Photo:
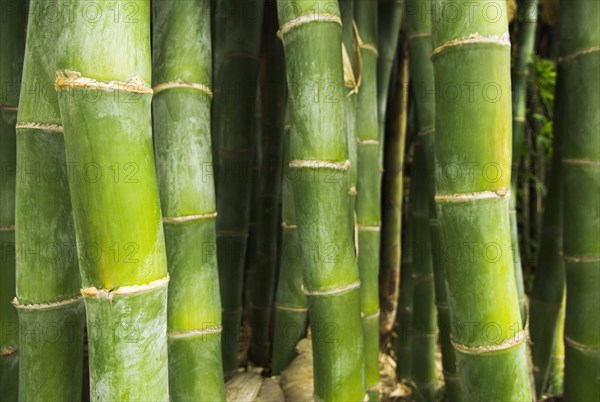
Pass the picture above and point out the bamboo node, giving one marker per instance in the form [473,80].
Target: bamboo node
[419,35]
[474,38]
[49,305]
[56,128]
[8,108]
[182,84]
[581,346]
[7,228]
[518,339]
[369,228]
[287,225]
[367,142]
[371,47]
[93,292]
[214,329]
[7,351]
[578,53]
[315,164]
[188,218]
[370,316]
[480,195]
[426,132]
[305,19]
[291,309]
[66,79]
[580,258]
[333,291]
[580,161]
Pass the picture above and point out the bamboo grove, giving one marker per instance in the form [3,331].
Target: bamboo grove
[300,200]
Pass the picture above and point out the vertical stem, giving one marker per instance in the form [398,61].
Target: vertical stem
[527,22]
[390,18]
[549,282]
[47,277]
[238,27]
[473,137]
[579,64]
[291,308]
[368,200]
[274,102]
[312,39]
[182,79]
[105,102]
[12,31]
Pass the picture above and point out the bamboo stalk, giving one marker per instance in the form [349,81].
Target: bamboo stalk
[424,322]
[393,185]
[579,64]
[390,18]
[274,102]
[311,35]
[50,367]
[291,307]
[472,130]
[182,79]
[237,44]
[549,282]
[404,317]
[12,31]
[419,34]
[368,200]
[527,22]
[115,197]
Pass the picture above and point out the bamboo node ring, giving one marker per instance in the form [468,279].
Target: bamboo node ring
[56,128]
[93,292]
[305,19]
[520,338]
[474,38]
[333,291]
[581,346]
[578,53]
[48,305]
[316,164]
[480,195]
[215,329]
[183,84]
[187,218]
[66,79]
[7,228]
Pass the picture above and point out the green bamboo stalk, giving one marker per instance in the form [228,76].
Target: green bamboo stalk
[393,185]
[182,78]
[424,323]
[419,39]
[368,199]
[579,64]
[527,22]
[115,196]
[471,53]
[291,307]
[274,102]
[312,39]
[12,31]
[390,18]
[557,364]
[351,62]
[51,314]
[549,282]
[404,317]
[238,28]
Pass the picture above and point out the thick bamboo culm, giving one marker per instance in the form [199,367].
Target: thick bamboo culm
[47,285]
[12,49]
[291,306]
[475,131]
[579,63]
[274,102]
[182,98]
[547,294]
[424,320]
[368,199]
[390,18]
[419,44]
[116,206]
[312,38]
[237,35]
[527,14]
